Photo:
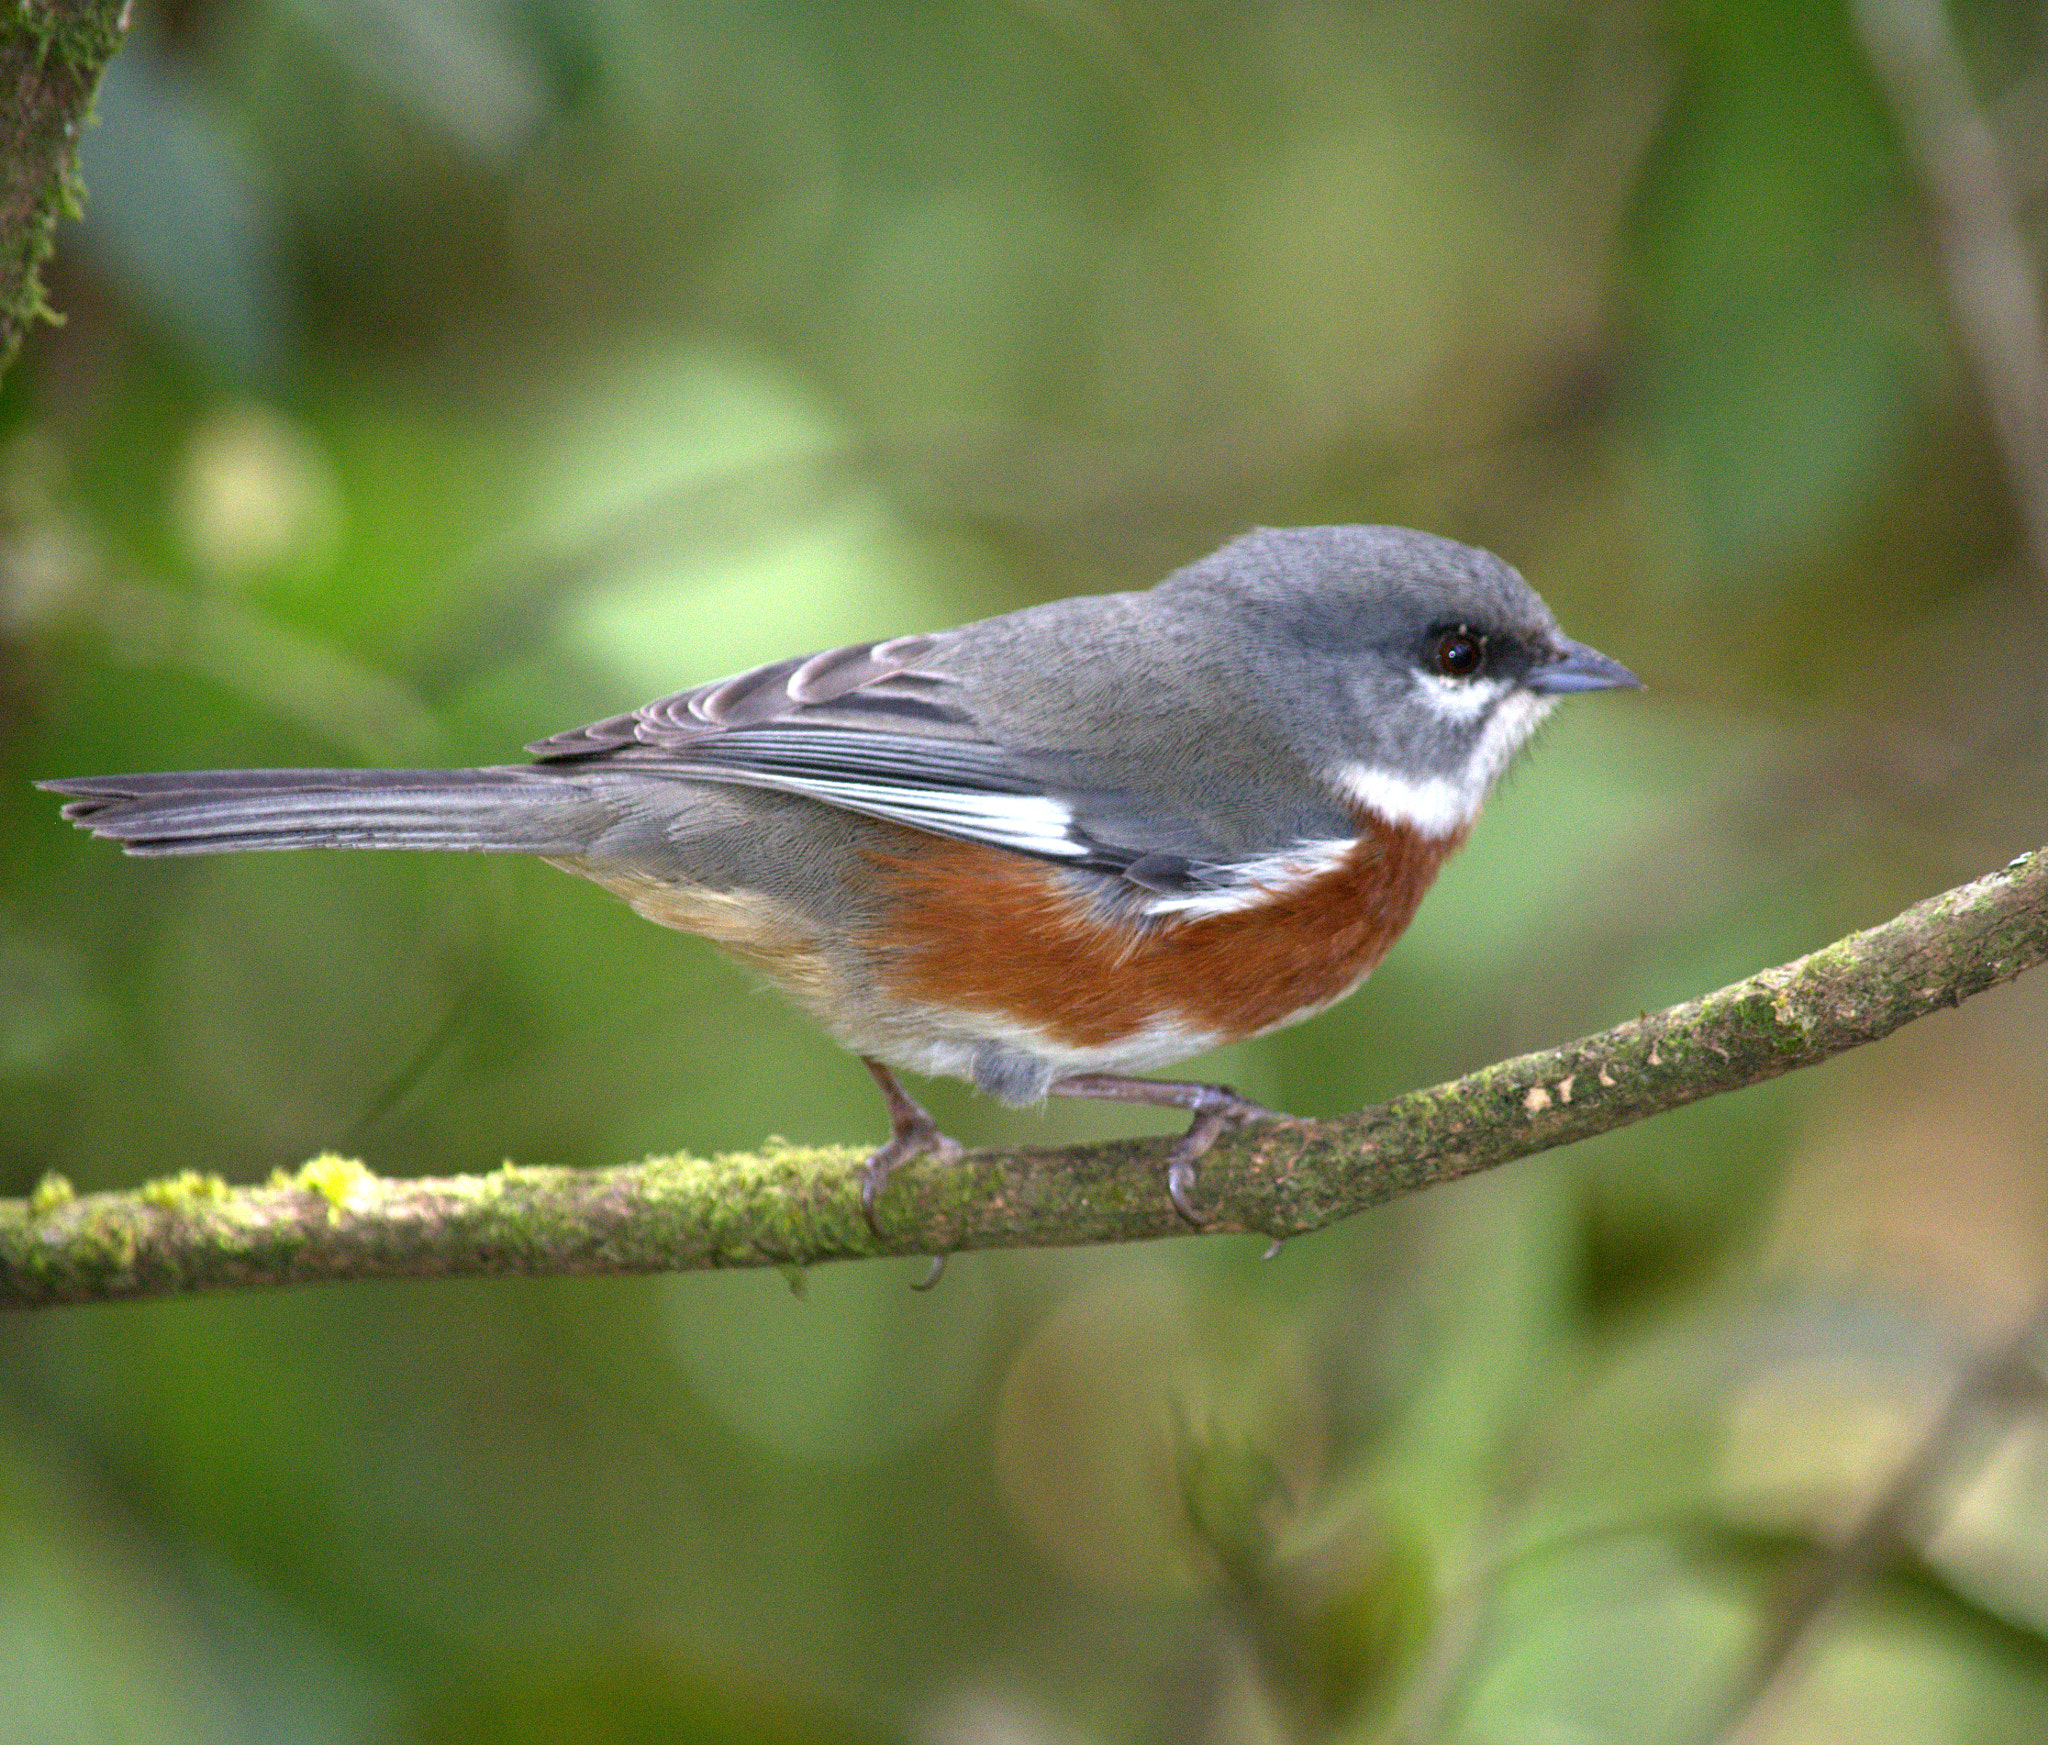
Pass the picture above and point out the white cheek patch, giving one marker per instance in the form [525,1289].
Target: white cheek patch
[1442,805]
[1459,699]
[1518,716]
[1253,882]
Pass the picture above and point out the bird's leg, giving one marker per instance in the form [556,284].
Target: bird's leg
[1217,1110]
[912,1133]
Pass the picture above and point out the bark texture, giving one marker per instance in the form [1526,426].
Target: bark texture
[52,53]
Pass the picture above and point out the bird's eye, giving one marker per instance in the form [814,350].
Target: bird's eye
[1457,653]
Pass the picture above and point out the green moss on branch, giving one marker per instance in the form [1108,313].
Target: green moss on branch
[52,53]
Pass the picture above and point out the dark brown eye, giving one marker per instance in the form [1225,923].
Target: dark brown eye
[1457,654]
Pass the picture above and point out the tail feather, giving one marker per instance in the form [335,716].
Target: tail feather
[514,810]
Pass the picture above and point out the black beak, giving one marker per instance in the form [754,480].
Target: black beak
[1572,666]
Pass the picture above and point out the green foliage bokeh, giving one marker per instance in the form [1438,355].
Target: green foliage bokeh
[437,376]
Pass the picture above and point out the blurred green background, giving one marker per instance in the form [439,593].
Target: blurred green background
[440,373]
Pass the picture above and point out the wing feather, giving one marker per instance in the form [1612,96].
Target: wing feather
[884,729]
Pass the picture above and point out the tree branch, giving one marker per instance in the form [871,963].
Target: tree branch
[1994,288]
[52,53]
[787,1206]
[1904,1508]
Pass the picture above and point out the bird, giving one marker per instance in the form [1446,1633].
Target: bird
[1047,852]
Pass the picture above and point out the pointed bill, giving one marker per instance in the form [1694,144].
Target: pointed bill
[1572,666]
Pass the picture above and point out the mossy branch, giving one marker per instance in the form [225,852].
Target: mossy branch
[52,53]
[786,1206]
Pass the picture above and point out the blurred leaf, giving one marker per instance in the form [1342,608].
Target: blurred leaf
[1093,1437]
[181,221]
[682,430]
[1334,1621]
[463,66]
[99,1640]
[639,1698]
[1366,1637]
[1784,417]
[1616,1643]
[1789,358]
[314,686]
[1989,1539]
[1230,1491]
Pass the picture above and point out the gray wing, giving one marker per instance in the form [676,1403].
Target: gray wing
[886,730]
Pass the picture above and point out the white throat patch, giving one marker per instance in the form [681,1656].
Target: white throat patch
[1441,806]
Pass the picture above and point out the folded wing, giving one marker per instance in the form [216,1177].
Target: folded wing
[887,730]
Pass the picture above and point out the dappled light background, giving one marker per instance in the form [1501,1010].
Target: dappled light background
[438,375]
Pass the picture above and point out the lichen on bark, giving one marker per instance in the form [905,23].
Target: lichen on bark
[52,53]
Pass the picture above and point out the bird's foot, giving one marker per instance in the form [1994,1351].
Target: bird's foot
[912,1133]
[1217,1110]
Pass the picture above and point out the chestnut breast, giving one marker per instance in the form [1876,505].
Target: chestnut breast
[978,929]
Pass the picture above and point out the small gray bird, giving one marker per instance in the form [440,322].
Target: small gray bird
[1041,852]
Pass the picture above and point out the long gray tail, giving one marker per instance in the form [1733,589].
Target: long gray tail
[514,810]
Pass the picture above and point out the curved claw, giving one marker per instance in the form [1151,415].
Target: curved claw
[1219,1111]
[874,1177]
[912,1133]
[1180,1176]
[1216,1110]
[916,1141]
